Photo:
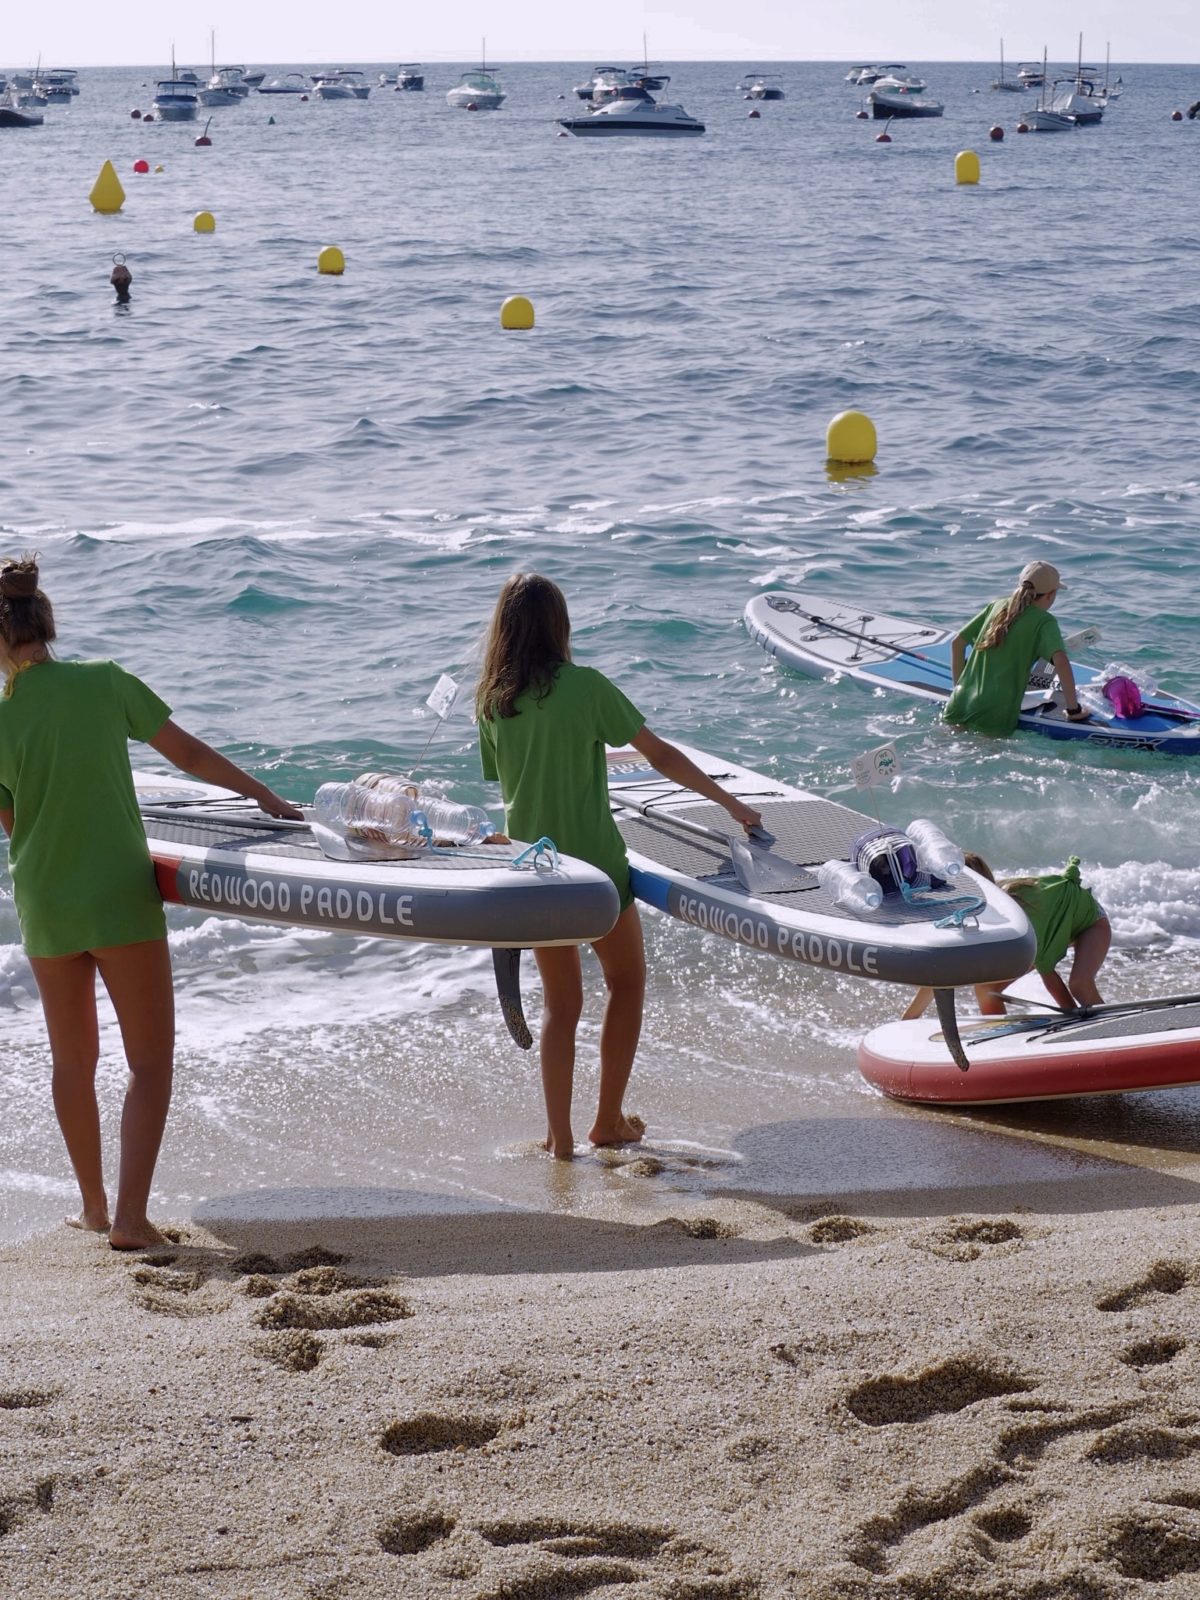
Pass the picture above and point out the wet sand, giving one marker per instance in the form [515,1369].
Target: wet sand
[981,1392]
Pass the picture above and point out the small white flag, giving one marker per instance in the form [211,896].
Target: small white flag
[875,766]
[441,701]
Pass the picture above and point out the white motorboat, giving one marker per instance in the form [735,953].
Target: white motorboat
[58,86]
[410,76]
[1079,100]
[1031,75]
[478,91]
[901,97]
[632,112]
[855,75]
[175,100]
[347,83]
[1043,118]
[762,86]
[226,87]
[291,83]
[254,77]
[604,78]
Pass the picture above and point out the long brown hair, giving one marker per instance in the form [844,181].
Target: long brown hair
[1020,600]
[26,615]
[529,639]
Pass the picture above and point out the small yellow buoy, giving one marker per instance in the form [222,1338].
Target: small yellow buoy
[331,261]
[107,195]
[516,312]
[850,437]
[204,222]
[966,167]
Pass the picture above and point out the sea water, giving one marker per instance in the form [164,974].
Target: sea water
[288,502]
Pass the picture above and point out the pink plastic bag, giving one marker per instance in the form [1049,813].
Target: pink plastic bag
[1124,696]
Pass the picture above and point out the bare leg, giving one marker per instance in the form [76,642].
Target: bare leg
[1091,947]
[67,985]
[138,980]
[917,1006]
[562,984]
[623,961]
[989,997]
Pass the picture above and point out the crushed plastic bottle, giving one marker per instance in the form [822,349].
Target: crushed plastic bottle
[936,855]
[852,890]
[453,823]
[372,809]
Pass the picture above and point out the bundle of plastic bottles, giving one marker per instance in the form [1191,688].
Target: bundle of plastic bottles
[384,813]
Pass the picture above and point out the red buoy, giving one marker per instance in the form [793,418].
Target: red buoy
[141,166]
[996,133]
[303,98]
[202,140]
[755,113]
[471,106]
[1022,127]
[148,118]
[1177,116]
[883,138]
[135,114]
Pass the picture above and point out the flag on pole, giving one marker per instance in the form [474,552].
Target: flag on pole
[875,766]
[441,701]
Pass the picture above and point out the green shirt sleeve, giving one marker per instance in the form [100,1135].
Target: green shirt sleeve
[975,627]
[1049,638]
[144,712]
[617,718]
[487,749]
[6,799]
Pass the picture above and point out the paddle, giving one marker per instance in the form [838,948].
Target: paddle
[757,869]
[175,813]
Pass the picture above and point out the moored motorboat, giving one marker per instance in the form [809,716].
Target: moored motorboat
[601,77]
[175,100]
[1079,100]
[410,76]
[346,83]
[635,112]
[290,83]
[15,115]
[478,90]
[226,87]
[898,97]
[1031,75]
[762,86]
[254,77]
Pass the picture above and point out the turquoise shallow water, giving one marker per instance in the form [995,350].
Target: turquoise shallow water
[288,501]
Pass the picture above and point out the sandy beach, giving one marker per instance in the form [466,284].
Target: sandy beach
[902,1396]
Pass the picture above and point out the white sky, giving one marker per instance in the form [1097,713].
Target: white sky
[75,33]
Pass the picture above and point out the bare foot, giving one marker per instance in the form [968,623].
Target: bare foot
[135,1236]
[89,1221]
[560,1149]
[626,1130]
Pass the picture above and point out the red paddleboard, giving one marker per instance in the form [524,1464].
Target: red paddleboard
[1149,1044]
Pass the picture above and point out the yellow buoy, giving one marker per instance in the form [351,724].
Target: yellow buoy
[204,222]
[331,261]
[516,312]
[850,437]
[107,195]
[966,167]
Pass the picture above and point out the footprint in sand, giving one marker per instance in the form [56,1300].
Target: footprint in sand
[1152,1546]
[293,1349]
[966,1238]
[26,1399]
[940,1390]
[1152,1352]
[562,1557]
[1143,1442]
[328,1309]
[700,1227]
[169,1291]
[840,1230]
[411,1532]
[428,1433]
[13,1509]
[1163,1278]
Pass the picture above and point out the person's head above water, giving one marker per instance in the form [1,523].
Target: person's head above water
[26,615]
[120,278]
[1038,585]
[529,639]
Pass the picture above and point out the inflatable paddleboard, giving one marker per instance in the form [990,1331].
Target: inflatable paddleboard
[831,638]
[693,877]
[216,852]
[1110,1050]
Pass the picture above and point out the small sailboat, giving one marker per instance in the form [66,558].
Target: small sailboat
[1008,85]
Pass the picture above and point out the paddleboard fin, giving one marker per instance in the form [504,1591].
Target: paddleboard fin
[948,1017]
[507,966]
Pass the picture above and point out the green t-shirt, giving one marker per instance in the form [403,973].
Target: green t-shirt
[988,696]
[82,875]
[550,761]
[1060,908]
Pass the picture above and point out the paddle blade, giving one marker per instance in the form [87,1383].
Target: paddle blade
[763,872]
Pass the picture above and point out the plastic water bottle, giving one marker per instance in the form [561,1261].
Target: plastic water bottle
[936,854]
[452,823]
[374,808]
[852,890]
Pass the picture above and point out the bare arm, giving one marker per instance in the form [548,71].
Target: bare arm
[673,764]
[958,657]
[200,760]
[1062,665]
[1058,991]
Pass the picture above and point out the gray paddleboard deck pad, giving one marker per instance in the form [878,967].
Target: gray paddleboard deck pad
[229,864]
[693,879]
[827,638]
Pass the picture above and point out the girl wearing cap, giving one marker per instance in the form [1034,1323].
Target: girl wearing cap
[543,726]
[1006,638]
[84,885]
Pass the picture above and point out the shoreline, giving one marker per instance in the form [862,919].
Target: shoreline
[755,1396]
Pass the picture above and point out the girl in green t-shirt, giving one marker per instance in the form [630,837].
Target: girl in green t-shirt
[84,887]
[1006,638]
[543,726]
